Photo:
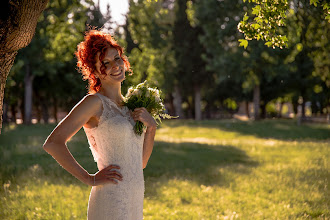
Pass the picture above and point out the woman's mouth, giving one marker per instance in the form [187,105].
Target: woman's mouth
[116,73]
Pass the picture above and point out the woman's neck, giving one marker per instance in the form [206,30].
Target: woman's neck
[113,92]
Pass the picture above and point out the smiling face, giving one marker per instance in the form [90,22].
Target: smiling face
[112,67]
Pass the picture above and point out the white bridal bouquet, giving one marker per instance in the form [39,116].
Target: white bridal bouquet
[149,98]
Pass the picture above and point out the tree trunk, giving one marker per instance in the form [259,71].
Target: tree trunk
[13,113]
[263,110]
[198,111]
[16,31]
[256,101]
[5,112]
[178,102]
[247,109]
[170,105]
[279,114]
[295,108]
[22,110]
[55,110]
[303,110]
[45,113]
[37,104]
[28,85]
[6,62]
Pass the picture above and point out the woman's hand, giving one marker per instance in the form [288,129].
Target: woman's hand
[109,174]
[142,115]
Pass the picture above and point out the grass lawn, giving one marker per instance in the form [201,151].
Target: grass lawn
[226,169]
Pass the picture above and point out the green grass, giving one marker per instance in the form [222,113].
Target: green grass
[227,169]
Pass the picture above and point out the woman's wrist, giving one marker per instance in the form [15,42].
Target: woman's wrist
[152,127]
[90,180]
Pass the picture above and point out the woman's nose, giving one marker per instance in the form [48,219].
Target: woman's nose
[114,64]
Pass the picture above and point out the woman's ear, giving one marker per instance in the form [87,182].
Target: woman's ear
[97,64]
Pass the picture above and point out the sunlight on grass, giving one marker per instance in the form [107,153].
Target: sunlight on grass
[198,170]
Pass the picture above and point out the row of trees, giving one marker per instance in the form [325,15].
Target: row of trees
[188,48]
[192,47]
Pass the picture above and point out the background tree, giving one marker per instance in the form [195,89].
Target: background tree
[150,28]
[60,28]
[17,27]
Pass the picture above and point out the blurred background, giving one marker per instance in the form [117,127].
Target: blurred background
[188,49]
[241,148]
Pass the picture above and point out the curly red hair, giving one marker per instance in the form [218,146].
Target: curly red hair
[96,41]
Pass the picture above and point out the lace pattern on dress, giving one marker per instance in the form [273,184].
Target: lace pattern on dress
[113,141]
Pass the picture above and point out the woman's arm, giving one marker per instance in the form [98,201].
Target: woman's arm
[148,145]
[141,114]
[55,144]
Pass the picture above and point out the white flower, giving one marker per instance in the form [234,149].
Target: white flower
[157,98]
[136,92]
[148,93]
[130,92]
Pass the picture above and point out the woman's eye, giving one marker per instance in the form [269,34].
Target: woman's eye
[105,63]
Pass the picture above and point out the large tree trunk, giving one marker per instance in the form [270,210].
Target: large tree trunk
[178,102]
[198,111]
[256,101]
[17,28]
[28,88]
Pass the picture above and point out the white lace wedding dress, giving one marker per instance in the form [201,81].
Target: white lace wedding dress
[113,141]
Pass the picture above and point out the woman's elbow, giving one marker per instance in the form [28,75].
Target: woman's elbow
[49,144]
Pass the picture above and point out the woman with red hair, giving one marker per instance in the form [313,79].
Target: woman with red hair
[121,155]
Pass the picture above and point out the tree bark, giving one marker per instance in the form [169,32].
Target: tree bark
[256,101]
[17,28]
[198,111]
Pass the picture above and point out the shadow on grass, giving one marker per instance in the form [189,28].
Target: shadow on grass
[282,129]
[203,164]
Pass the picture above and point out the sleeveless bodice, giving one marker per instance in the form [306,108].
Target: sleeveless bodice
[113,141]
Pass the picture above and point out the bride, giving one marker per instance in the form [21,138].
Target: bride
[121,155]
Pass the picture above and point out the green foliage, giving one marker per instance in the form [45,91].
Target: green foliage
[149,27]
[270,16]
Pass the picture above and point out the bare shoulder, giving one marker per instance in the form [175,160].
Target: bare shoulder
[94,102]
[91,100]
[88,107]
